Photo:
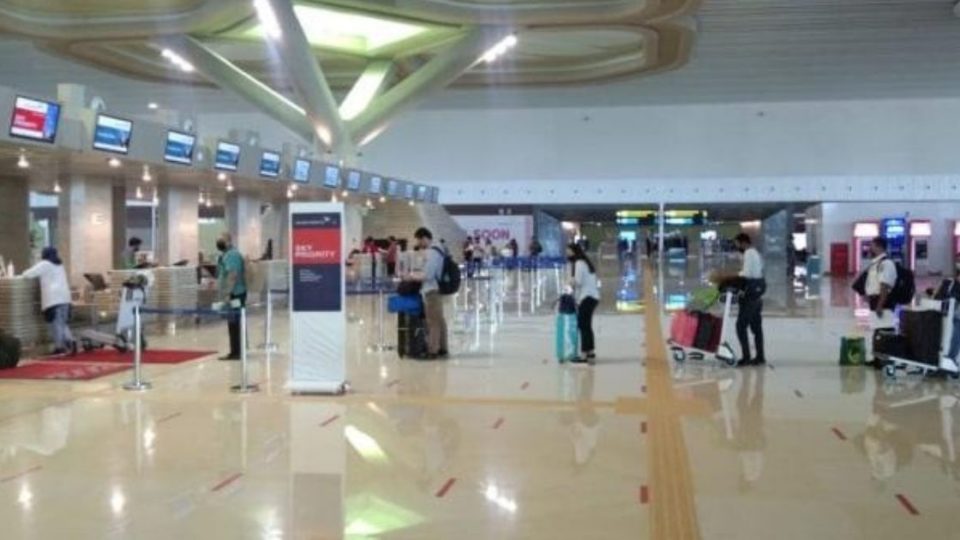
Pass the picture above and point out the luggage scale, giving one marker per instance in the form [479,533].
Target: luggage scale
[894,363]
[724,353]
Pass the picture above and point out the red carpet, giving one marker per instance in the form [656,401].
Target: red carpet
[112,356]
[65,371]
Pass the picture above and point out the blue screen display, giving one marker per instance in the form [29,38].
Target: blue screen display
[228,156]
[422,193]
[353,180]
[392,187]
[408,191]
[179,148]
[270,164]
[301,171]
[112,134]
[376,184]
[331,177]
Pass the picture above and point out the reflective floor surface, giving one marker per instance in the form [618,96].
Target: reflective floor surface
[498,442]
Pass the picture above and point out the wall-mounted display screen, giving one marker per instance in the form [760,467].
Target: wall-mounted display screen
[301,171]
[270,164]
[34,119]
[408,191]
[376,184]
[435,195]
[421,193]
[179,147]
[353,180]
[392,187]
[228,156]
[331,177]
[112,134]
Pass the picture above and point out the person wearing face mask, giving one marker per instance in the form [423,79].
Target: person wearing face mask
[232,281]
[750,314]
[54,299]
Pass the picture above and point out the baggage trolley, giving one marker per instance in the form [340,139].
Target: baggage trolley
[133,294]
[724,353]
[910,366]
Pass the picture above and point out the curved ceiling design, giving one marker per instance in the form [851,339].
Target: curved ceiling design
[561,41]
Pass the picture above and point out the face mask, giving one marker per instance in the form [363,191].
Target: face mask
[221,245]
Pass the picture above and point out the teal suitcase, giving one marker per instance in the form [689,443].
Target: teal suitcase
[568,337]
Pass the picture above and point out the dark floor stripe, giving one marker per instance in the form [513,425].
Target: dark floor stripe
[446,488]
[226,482]
[644,494]
[498,423]
[798,393]
[643,427]
[330,420]
[12,477]
[905,502]
[524,386]
[169,417]
[839,434]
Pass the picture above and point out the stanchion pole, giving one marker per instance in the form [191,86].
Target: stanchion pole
[244,387]
[137,384]
[268,344]
[381,340]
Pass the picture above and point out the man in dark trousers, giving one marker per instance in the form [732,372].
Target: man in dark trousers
[232,276]
[750,314]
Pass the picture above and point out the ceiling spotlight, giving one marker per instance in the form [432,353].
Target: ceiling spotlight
[230,187]
[177,61]
[222,177]
[289,193]
[345,194]
[114,162]
[200,198]
[294,187]
[153,106]
[139,194]
[333,198]
[156,198]
[209,203]
[411,203]
[147,177]
[57,188]
[22,163]
[383,199]
[500,49]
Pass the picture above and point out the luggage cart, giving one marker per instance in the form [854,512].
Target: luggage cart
[133,294]
[724,353]
[894,364]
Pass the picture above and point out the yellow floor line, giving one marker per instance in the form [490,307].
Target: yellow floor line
[673,512]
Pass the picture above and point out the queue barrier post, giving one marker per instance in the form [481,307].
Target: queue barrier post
[245,387]
[137,384]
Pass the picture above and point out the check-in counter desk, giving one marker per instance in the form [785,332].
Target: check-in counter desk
[20,314]
[261,276]
[173,287]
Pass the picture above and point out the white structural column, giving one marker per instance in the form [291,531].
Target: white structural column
[439,72]
[244,224]
[178,224]
[308,79]
[15,221]
[229,77]
[276,227]
[118,202]
[85,223]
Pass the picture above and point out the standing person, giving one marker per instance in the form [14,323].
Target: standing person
[535,248]
[130,253]
[514,249]
[54,299]
[392,251]
[951,289]
[750,314]
[370,248]
[881,278]
[468,256]
[587,292]
[478,255]
[432,301]
[232,276]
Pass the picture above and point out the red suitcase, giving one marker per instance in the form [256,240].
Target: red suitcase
[683,328]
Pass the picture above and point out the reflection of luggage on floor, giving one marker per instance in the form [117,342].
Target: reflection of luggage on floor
[708,332]
[411,336]
[9,351]
[886,342]
[923,332]
[568,337]
[853,351]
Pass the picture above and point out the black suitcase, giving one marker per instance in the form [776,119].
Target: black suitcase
[9,351]
[923,331]
[886,342]
[707,327]
[411,336]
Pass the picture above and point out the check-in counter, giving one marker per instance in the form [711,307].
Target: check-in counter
[173,287]
[20,313]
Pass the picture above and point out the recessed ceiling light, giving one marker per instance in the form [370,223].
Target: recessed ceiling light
[153,106]
[114,162]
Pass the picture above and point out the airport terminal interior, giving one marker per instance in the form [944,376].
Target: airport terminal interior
[221,317]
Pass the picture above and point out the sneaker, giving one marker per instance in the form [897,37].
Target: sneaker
[746,362]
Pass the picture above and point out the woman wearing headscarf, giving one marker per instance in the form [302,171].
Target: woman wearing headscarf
[54,298]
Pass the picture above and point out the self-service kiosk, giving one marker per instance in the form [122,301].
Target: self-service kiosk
[863,233]
[895,231]
[920,233]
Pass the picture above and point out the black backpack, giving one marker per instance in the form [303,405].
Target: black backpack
[449,282]
[903,290]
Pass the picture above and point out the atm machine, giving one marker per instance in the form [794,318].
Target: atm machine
[920,233]
[956,245]
[895,231]
[863,234]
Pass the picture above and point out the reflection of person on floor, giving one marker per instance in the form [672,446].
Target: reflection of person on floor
[905,418]
[583,422]
[750,438]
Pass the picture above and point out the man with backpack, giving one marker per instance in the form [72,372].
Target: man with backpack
[440,277]
[879,288]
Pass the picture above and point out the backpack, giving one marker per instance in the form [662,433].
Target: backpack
[905,288]
[449,281]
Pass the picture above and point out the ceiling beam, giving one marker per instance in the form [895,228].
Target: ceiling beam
[368,86]
[231,78]
[439,72]
[311,85]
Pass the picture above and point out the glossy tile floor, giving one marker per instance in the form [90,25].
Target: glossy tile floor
[499,442]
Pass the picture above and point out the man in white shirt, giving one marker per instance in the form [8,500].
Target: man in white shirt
[881,278]
[432,300]
[750,314]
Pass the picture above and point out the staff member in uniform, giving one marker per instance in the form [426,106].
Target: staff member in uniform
[750,314]
[232,277]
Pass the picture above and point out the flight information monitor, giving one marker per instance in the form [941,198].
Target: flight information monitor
[408,191]
[270,164]
[376,184]
[34,119]
[301,171]
[112,134]
[179,147]
[422,193]
[331,177]
[392,187]
[353,180]
[228,156]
